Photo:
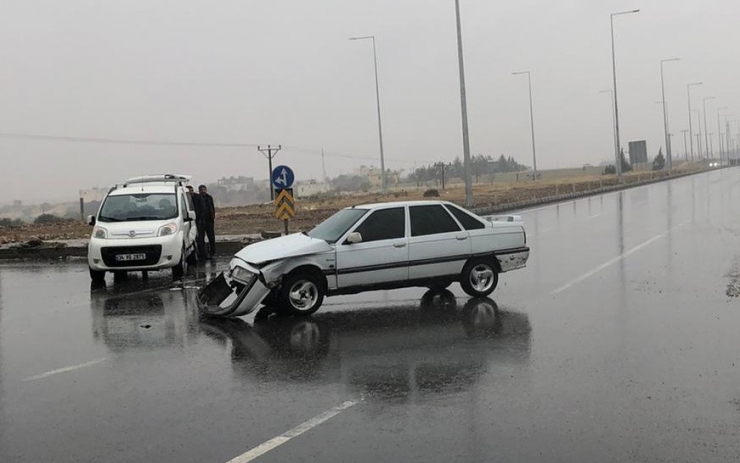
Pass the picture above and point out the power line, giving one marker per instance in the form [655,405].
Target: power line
[121,141]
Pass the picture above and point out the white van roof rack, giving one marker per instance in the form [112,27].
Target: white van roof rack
[160,178]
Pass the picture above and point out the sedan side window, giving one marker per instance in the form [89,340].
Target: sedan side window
[431,220]
[385,224]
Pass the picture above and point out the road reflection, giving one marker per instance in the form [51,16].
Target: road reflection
[394,354]
[137,315]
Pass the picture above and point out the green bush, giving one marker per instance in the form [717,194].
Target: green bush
[45,219]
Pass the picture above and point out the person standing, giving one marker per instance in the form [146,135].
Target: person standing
[209,220]
[200,224]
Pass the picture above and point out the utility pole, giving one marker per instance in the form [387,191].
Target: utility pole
[464,111]
[323,165]
[271,152]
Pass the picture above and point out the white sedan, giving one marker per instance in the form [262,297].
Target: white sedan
[370,247]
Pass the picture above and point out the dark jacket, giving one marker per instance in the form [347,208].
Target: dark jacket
[209,209]
[199,206]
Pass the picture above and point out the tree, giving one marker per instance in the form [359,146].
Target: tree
[659,161]
[626,167]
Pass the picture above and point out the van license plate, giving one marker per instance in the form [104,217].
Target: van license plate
[130,257]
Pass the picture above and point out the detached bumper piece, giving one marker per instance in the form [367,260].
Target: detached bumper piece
[226,297]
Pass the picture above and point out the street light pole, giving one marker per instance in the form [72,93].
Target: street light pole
[383,181]
[614,130]
[685,149]
[531,120]
[691,129]
[464,111]
[616,106]
[719,134]
[706,135]
[665,118]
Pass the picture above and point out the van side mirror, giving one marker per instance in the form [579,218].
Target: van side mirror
[354,238]
[188,217]
[91,220]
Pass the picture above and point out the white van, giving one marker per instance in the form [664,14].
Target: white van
[146,224]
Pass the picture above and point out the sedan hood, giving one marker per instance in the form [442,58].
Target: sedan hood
[293,245]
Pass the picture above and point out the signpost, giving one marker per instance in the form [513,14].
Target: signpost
[282,182]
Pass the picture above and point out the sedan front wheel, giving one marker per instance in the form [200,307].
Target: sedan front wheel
[301,294]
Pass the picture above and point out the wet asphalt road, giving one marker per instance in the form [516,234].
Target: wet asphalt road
[617,343]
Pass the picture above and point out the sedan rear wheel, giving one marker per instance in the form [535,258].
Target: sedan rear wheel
[479,277]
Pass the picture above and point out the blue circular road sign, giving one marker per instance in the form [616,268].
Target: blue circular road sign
[282,177]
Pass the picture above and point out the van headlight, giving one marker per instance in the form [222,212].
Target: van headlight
[167,230]
[99,233]
[241,275]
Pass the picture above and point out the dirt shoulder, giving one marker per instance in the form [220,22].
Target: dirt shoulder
[255,219]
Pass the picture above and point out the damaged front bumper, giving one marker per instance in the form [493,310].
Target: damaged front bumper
[234,293]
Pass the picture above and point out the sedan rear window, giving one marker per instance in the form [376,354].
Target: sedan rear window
[468,221]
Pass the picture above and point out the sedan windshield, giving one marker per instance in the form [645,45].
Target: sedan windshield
[331,229]
[135,207]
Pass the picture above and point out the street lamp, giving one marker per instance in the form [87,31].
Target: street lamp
[685,149]
[719,133]
[616,106]
[384,183]
[531,120]
[614,130]
[464,111]
[706,135]
[691,128]
[665,118]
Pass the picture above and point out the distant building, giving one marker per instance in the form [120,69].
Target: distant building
[237,183]
[310,188]
[371,173]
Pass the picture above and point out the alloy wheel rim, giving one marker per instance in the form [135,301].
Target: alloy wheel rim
[303,295]
[481,278]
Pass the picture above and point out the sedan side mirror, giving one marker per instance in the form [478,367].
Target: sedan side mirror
[354,238]
[91,220]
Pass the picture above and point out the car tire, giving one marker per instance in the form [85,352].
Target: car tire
[178,271]
[479,277]
[301,294]
[98,276]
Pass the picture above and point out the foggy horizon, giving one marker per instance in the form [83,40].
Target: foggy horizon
[284,72]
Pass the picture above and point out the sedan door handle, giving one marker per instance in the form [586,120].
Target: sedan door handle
[461,237]
[399,245]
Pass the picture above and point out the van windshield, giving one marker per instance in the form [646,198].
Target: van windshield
[135,207]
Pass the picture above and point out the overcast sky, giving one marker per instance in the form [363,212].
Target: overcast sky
[284,72]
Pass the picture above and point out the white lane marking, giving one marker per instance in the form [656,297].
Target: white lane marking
[65,369]
[613,261]
[295,432]
[595,215]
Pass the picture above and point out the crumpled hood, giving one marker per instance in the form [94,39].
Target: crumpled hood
[293,245]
